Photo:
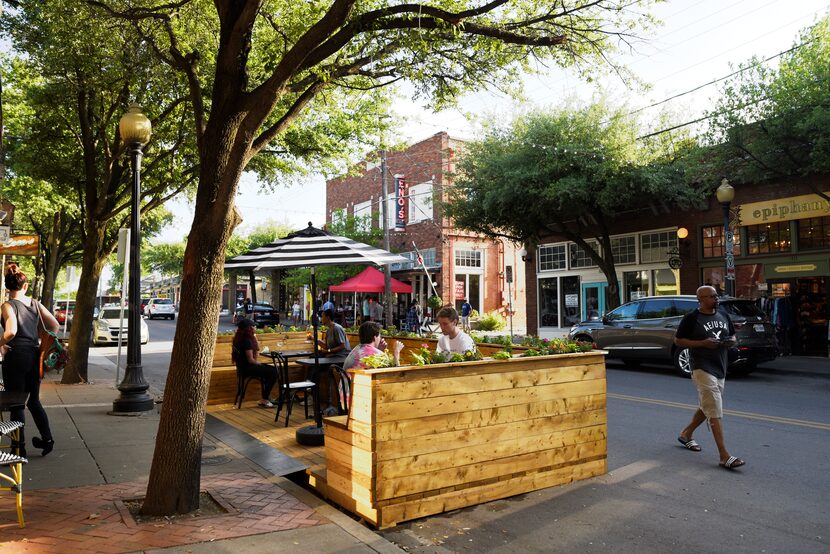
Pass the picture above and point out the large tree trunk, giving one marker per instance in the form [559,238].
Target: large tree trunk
[173,486]
[95,257]
[51,266]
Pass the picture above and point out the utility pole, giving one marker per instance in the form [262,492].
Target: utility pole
[387,276]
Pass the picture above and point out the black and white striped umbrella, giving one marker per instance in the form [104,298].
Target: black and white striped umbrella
[312,247]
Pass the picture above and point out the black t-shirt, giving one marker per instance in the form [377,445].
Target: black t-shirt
[699,326]
[245,344]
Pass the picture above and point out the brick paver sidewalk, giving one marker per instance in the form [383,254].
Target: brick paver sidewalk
[90,520]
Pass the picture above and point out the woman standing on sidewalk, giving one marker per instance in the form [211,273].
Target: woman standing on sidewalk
[19,347]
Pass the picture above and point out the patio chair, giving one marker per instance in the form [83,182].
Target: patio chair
[15,463]
[242,380]
[288,389]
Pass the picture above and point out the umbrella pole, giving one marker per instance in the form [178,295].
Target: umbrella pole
[313,434]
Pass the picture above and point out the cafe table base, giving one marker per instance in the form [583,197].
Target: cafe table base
[310,436]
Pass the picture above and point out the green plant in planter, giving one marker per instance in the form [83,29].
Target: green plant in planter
[435,302]
[502,355]
[492,321]
[426,356]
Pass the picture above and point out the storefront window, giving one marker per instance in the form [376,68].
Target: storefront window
[635,285]
[665,282]
[570,301]
[467,257]
[814,233]
[624,250]
[552,257]
[749,280]
[580,257]
[655,247]
[548,302]
[769,237]
[713,242]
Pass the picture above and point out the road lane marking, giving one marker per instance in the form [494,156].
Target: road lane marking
[737,413]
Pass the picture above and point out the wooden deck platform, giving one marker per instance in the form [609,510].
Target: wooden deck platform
[259,423]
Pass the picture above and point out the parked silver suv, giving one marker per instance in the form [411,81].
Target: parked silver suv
[643,330]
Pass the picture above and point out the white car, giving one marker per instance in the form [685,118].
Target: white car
[105,328]
[160,307]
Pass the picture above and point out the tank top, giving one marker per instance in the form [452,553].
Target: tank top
[27,320]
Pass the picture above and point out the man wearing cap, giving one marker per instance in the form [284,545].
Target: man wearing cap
[336,344]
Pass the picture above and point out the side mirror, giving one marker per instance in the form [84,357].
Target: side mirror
[606,320]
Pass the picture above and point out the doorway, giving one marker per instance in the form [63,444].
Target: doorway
[593,300]
[808,302]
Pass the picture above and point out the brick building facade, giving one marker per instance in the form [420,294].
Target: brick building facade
[460,263]
[782,249]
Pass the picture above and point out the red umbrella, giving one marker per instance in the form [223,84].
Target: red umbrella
[369,280]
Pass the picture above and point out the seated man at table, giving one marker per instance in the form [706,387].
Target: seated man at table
[336,344]
[452,338]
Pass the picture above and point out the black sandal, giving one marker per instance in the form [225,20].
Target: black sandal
[690,444]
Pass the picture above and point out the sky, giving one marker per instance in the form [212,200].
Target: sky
[699,41]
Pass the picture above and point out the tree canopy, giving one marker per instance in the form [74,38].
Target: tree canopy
[773,122]
[286,83]
[566,173]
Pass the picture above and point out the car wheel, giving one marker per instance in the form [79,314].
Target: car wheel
[584,338]
[683,362]
[172,317]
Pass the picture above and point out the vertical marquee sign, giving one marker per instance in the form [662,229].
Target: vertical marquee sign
[401,204]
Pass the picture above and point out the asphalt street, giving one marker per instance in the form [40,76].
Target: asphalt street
[657,496]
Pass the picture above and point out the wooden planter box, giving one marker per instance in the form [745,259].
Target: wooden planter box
[421,440]
[412,344]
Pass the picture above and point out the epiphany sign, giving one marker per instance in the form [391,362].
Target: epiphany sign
[400,203]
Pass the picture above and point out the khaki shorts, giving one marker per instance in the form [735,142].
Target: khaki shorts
[709,393]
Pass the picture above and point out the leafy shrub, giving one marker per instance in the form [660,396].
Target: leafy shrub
[544,347]
[492,321]
[435,302]
[427,356]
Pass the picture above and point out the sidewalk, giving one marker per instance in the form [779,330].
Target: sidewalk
[73,497]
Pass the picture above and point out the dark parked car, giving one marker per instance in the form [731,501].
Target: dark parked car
[264,314]
[643,330]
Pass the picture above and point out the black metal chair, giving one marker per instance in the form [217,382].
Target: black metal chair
[343,383]
[289,389]
[242,380]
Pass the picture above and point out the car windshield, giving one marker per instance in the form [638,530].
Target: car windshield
[263,306]
[112,313]
[745,308]
[162,301]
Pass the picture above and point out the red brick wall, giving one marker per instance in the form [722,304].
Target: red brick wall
[431,159]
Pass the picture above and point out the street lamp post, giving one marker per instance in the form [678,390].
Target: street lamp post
[135,130]
[725,194]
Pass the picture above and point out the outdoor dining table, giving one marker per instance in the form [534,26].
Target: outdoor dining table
[313,436]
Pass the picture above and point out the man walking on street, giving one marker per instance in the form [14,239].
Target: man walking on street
[708,334]
[466,310]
